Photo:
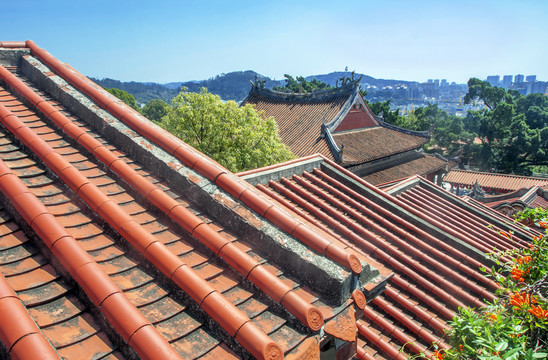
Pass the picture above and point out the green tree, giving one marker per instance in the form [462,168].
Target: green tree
[390,116]
[236,136]
[513,129]
[155,110]
[125,97]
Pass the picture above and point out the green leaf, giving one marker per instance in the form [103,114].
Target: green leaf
[501,346]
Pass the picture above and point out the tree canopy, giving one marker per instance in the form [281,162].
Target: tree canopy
[513,129]
[125,97]
[236,136]
[155,110]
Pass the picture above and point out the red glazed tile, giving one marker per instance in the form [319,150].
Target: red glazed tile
[209,237]
[227,315]
[20,324]
[237,259]
[258,343]
[255,201]
[261,277]
[70,253]
[111,212]
[122,315]
[281,219]
[207,168]
[97,285]
[149,344]
[191,283]
[33,346]
[231,185]
[184,217]
[159,255]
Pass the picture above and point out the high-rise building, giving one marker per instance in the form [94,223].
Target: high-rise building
[507,80]
[493,80]
[518,79]
[443,82]
[531,78]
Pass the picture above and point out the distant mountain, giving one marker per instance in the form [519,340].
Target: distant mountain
[235,85]
[143,92]
[333,77]
[231,86]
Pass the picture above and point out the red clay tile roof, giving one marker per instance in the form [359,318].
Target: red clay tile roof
[492,181]
[300,118]
[423,165]
[94,220]
[299,121]
[433,245]
[364,145]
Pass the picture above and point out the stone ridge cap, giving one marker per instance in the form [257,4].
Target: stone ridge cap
[330,263]
[200,163]
[322,95]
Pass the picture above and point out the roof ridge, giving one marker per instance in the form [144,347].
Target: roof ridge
[248,267]
[499,174]
[13,44]
[198,162]
[100,288]
[347,89]
[230,318]
[426,133]
[18,332]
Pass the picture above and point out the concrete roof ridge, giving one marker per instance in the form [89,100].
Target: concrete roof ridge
[200,163]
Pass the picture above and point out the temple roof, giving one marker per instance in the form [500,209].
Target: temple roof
[336,123]
[119,240]
[432,241]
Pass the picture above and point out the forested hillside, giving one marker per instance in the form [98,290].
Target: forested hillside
[232,86]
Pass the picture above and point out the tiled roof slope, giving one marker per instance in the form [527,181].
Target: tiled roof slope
[327,123]
[364,145]
[435,265]
[422,164]
[491,181]
[299,122]
[102,240]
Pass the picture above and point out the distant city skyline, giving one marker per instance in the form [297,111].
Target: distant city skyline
[170,41]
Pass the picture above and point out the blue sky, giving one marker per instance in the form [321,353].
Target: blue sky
[166,41]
